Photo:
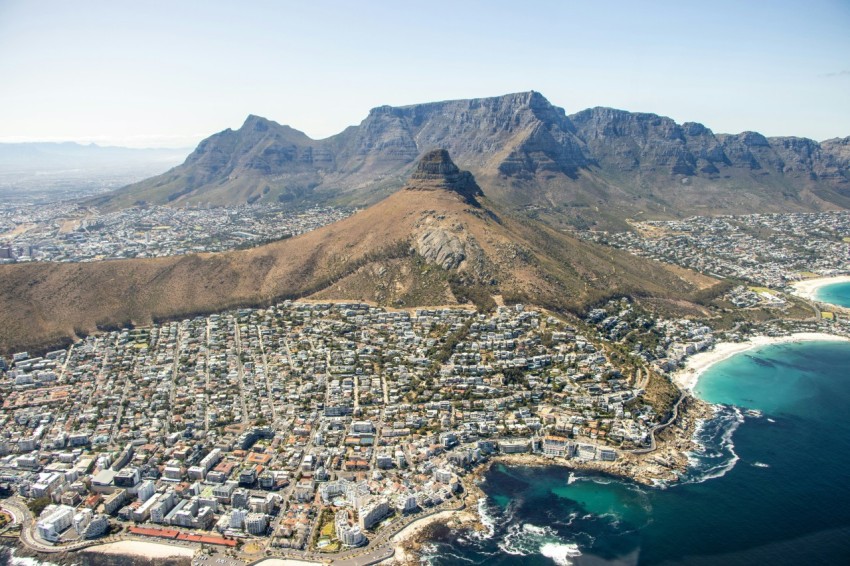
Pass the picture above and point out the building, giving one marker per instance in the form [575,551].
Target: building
[172,472]
[224,491]
[348,534]
[406,502]
[237,518]
[256,523]
[239,498]
[514,446]
[556,446]
[442,475]
[128,477]
[46,484]
[145,490]
[98,526]
[362,427]
[371,513]
[55,519]
[115,501]
[143,511]
[81,520]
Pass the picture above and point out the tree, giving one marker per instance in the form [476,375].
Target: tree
[38,505]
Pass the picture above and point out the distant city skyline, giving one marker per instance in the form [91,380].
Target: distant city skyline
[163,74]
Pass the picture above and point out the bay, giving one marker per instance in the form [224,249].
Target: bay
[771,485]
[835,294]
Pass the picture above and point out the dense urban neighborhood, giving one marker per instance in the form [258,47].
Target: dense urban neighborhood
[65,231]
[765,249]
[309,425]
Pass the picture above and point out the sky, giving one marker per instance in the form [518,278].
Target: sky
[167,74]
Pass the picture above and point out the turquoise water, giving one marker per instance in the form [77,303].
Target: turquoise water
[836,294]
[771,487]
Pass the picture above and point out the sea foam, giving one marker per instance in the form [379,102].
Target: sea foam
[560,553]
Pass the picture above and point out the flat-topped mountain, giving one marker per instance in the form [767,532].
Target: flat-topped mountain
[599,163]
[438,240]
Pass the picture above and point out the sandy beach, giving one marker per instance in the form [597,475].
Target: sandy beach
[143,549]
[808,288]
[286,562]
[687,377]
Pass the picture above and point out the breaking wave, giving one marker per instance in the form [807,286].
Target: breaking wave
[717,456]
[527,539]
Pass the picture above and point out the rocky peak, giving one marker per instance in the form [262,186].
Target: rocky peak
[436,170]
[256,124]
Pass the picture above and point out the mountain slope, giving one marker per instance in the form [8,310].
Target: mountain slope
[436,240]
[599,163]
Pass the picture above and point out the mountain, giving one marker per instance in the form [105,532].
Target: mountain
[49,156]
[438,240]
[595,165]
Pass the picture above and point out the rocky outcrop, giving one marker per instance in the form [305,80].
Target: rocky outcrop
[438,240]
[436,171]
[442,247]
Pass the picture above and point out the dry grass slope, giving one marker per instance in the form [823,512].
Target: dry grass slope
[370,255]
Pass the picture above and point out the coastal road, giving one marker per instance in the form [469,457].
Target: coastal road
[380,548]
[29,538]
[660,427]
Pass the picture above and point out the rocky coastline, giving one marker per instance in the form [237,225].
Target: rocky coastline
[666,464]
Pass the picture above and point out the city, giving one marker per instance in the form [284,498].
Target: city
[764,249]
[69,232]
[309,426]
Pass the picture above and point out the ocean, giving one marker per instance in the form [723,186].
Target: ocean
[836,294]
[772,485]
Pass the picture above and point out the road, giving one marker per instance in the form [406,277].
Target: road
[380,547]
[660,427]
[265,361]
[240,370]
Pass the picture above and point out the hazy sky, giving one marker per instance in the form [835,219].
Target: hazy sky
[170,73]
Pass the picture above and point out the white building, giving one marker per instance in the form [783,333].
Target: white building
[54,520]
[406,502]
[256,523]
[237,518]
[146,490]
[98,526]
[81,520]
[349,535]
[372,513]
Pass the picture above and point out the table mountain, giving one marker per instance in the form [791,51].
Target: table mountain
[597,164]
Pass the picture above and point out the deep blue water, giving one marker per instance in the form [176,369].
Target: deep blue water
[768,489]
[836,294]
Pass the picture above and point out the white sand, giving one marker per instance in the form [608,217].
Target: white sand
[286,562]
[143,549]
[808,288]
[687,377]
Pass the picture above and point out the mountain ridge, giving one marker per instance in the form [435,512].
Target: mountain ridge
[531,153]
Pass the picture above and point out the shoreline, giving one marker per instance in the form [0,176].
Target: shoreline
[662,465]
[808,288]
[142,549]
[687,378]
